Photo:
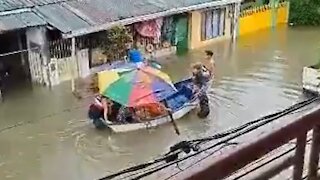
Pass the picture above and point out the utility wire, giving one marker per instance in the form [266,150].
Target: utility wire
[205,157]
[233,137]
[186,146]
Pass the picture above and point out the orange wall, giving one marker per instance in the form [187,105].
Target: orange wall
[261,18]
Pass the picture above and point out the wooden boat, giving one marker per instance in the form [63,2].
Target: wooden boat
[311,79]
[181,104]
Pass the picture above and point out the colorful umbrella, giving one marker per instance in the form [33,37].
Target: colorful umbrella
[140,86]
[105,78]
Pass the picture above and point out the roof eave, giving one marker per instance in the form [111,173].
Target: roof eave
[132,20]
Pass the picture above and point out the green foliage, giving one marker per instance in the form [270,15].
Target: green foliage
[305,12]
[248,4]
[115,42]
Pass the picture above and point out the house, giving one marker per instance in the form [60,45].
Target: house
[61,37]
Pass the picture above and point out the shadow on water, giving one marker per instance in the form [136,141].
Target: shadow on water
[259,75]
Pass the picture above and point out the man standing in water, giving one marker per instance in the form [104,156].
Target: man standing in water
[210,63]
[201,76]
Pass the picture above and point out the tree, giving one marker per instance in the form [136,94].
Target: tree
[305,12]
[115,41]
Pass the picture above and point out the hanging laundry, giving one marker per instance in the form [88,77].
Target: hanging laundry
[150,29]
[168,30]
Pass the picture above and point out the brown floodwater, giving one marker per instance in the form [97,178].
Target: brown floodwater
[44,134]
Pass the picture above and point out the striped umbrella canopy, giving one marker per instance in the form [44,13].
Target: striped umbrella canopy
[140,86]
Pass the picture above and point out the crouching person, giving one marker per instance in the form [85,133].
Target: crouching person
[98,112]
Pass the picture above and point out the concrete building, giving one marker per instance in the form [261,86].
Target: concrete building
[59,37]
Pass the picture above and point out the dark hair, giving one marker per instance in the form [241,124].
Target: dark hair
[209,53]
[197,66]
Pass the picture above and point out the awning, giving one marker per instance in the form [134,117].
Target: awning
[20,20]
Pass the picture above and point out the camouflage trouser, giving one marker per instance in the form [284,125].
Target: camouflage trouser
[204,105]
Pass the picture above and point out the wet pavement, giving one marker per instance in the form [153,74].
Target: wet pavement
[44,133]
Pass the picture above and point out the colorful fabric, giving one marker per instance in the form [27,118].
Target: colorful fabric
[140,86]
[168,30]
[151,29]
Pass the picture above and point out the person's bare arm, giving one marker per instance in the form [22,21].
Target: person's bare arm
[105,113]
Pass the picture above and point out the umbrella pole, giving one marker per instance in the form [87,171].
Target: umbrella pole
[172,120]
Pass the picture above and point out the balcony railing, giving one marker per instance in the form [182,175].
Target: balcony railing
[296,130]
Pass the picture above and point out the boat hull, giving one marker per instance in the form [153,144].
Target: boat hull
[151,123]
[118,128]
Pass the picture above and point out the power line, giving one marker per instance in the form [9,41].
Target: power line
[300,105]
[210,154]
[186,146]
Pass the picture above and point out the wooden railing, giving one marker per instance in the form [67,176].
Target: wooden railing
[297,130]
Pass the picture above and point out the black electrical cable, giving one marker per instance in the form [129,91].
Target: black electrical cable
[277,114]
[138,167]
[219,143]
[185,146]
[208,155]
[142,166]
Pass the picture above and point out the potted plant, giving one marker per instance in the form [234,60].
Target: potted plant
[115,42]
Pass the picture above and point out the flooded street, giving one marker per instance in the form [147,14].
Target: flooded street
[44,134]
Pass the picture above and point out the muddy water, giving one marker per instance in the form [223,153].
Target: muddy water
[44,134]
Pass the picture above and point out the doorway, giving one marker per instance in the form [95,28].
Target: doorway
[182,33]
[14,68]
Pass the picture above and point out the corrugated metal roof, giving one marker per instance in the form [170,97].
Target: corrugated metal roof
[73,15]
[77,15]
[103,11]
[7,5]
[61,18]
[19,21]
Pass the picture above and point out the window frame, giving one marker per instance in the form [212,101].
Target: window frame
[221,22]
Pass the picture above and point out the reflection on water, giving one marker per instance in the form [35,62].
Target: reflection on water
[44,134]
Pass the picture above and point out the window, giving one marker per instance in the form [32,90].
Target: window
[213,23]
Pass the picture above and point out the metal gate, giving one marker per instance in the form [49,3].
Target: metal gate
[35,66]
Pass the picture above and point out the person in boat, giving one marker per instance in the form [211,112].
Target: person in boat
[113,109]
[126,115]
